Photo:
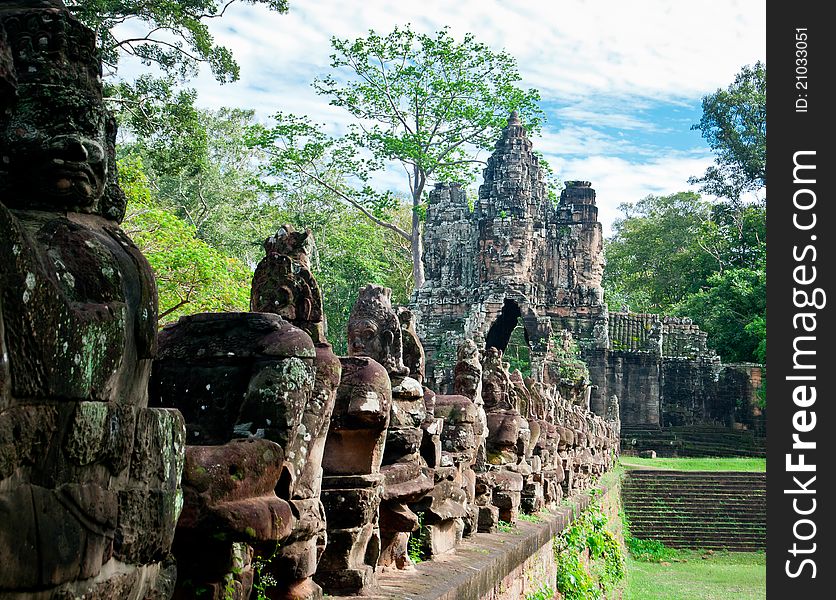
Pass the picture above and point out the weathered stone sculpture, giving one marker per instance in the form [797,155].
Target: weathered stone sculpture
[353,485]
[375,332]
[284,284]
[89,476]
[413,351]
[240,378]
[468,383]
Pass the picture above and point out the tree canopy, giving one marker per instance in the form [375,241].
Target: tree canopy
[424,104]
[172,34]
[734,125]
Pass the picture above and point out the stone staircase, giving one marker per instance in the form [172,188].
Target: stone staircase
[697,509]
[692,441]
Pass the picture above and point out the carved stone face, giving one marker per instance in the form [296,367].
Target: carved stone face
[365,339]
[54,150]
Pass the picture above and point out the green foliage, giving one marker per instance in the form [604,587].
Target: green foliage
[162,122]
[544,593]
[517,353]
[424,103]
[177,39]
[654,257]
[529,518]
[417,545]
[263,579]
[191,275]
[504,526]
[734,125]
[732,308]
[429,97]
[588,533]
[757,329]
[648,550]
[572,369]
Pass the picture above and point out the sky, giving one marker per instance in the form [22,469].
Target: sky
[621,81]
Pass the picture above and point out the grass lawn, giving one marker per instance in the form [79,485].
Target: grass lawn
[722,576]
[695,464]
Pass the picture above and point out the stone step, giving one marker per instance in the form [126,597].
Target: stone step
[683,516]
[697,509]
[735,497]
[715,545]
[728,536]
[716,490]
[697,538]
[708,474]
[713,508]
[701,526]
[686,518]
[733,492]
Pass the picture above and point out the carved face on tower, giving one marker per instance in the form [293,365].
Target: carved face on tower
[56,137]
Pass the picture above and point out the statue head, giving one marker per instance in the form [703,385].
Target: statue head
[374,330]
[468,351]
[299,245]
[57,139]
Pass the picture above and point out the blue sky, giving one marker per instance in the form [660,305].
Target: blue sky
[621,81]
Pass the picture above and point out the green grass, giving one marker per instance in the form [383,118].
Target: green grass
[696,464]
[722,576]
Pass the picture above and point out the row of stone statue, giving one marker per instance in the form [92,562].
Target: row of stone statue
[362,456]
[230,450]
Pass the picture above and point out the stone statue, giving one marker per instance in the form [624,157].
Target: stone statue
[374,331]
[89,476]
[240,377]
[352,485]
[413,350]
[467,375]
[283,283]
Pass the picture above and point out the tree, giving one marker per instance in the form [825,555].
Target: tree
[201,170]
[734,125]
[659,252]
[424,103]
[176,35]
[732,310]
[191,275]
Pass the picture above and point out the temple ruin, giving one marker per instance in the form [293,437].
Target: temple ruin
[235,453]
[517,257]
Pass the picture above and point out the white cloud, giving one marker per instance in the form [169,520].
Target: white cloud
[598,64]
[616,180]
[565,48]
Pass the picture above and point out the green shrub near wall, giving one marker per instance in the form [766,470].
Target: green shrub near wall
[589,554]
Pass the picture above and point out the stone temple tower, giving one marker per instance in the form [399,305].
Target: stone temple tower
[515,257]
[518,257]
